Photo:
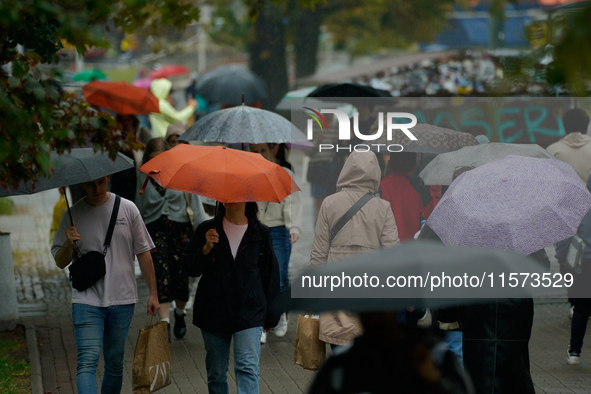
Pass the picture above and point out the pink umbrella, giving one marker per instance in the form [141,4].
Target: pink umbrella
[143,83]
[168,71]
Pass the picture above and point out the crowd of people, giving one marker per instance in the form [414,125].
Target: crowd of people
[365,201]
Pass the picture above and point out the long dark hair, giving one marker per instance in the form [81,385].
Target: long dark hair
[282,157]
[251,210]
[402,162]
[155,144]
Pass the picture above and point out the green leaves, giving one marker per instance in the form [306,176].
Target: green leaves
[36,119]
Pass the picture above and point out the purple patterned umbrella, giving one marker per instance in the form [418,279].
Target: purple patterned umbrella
[515,203]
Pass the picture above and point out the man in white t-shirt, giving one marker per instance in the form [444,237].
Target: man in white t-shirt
[102,313]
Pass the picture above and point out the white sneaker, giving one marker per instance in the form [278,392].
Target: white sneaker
[281,328]
[573,358]
[264,337]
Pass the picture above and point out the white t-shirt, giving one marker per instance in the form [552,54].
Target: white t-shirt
[234,232]
[130,237]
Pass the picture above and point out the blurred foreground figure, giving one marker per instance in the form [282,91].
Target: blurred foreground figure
[391,358]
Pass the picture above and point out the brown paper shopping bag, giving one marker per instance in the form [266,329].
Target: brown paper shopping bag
[151,363]
[309,351]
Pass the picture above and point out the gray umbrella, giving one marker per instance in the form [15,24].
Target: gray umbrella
[226,84]
[407,263]
[440,170]
[243,124]
[78,166]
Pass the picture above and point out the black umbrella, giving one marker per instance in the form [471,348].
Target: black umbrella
[78,166]
[347,90]
[225,85]
[407,275]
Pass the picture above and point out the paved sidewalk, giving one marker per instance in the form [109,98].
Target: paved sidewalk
[44,301]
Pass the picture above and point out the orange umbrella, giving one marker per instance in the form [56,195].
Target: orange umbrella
[224,174]
[121,97]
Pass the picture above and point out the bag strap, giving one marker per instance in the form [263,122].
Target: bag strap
[349,214]
[112,223]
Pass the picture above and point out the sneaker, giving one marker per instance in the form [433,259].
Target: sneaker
[573,358]
[264,337]
[281,328]
[180,328]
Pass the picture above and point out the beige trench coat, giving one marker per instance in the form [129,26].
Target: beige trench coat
[372,228]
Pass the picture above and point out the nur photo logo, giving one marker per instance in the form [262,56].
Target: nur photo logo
[387,122]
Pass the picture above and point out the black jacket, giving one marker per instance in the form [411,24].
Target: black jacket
[233,294]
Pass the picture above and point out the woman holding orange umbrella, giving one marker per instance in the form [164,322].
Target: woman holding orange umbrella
[232,253]
[234,256]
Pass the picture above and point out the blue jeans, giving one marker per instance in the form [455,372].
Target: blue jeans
[97,327]
[247,353]
[282,249]
[454,344]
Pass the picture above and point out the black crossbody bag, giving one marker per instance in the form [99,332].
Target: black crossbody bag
[90,267]
[349,214]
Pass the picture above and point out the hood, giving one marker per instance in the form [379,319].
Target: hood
[161,88]
[177,128]
[361,172]
[576,140]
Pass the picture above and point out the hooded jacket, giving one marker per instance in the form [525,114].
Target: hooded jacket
[372,228]
[168,115]
[574,149]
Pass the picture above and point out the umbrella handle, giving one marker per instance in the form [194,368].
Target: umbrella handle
[68,205]
[76,250]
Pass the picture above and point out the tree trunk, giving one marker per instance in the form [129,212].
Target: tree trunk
[306,42]
[267,53]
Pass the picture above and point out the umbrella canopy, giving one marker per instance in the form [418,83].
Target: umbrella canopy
[344,90]
[394,268]
[168,70]
[90,74]
[516,203]
[224,174]
[143,83]
[440,170]
[78,166]
[244,124]
[430,139]
[295,99]
[226,84]
[121,97]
